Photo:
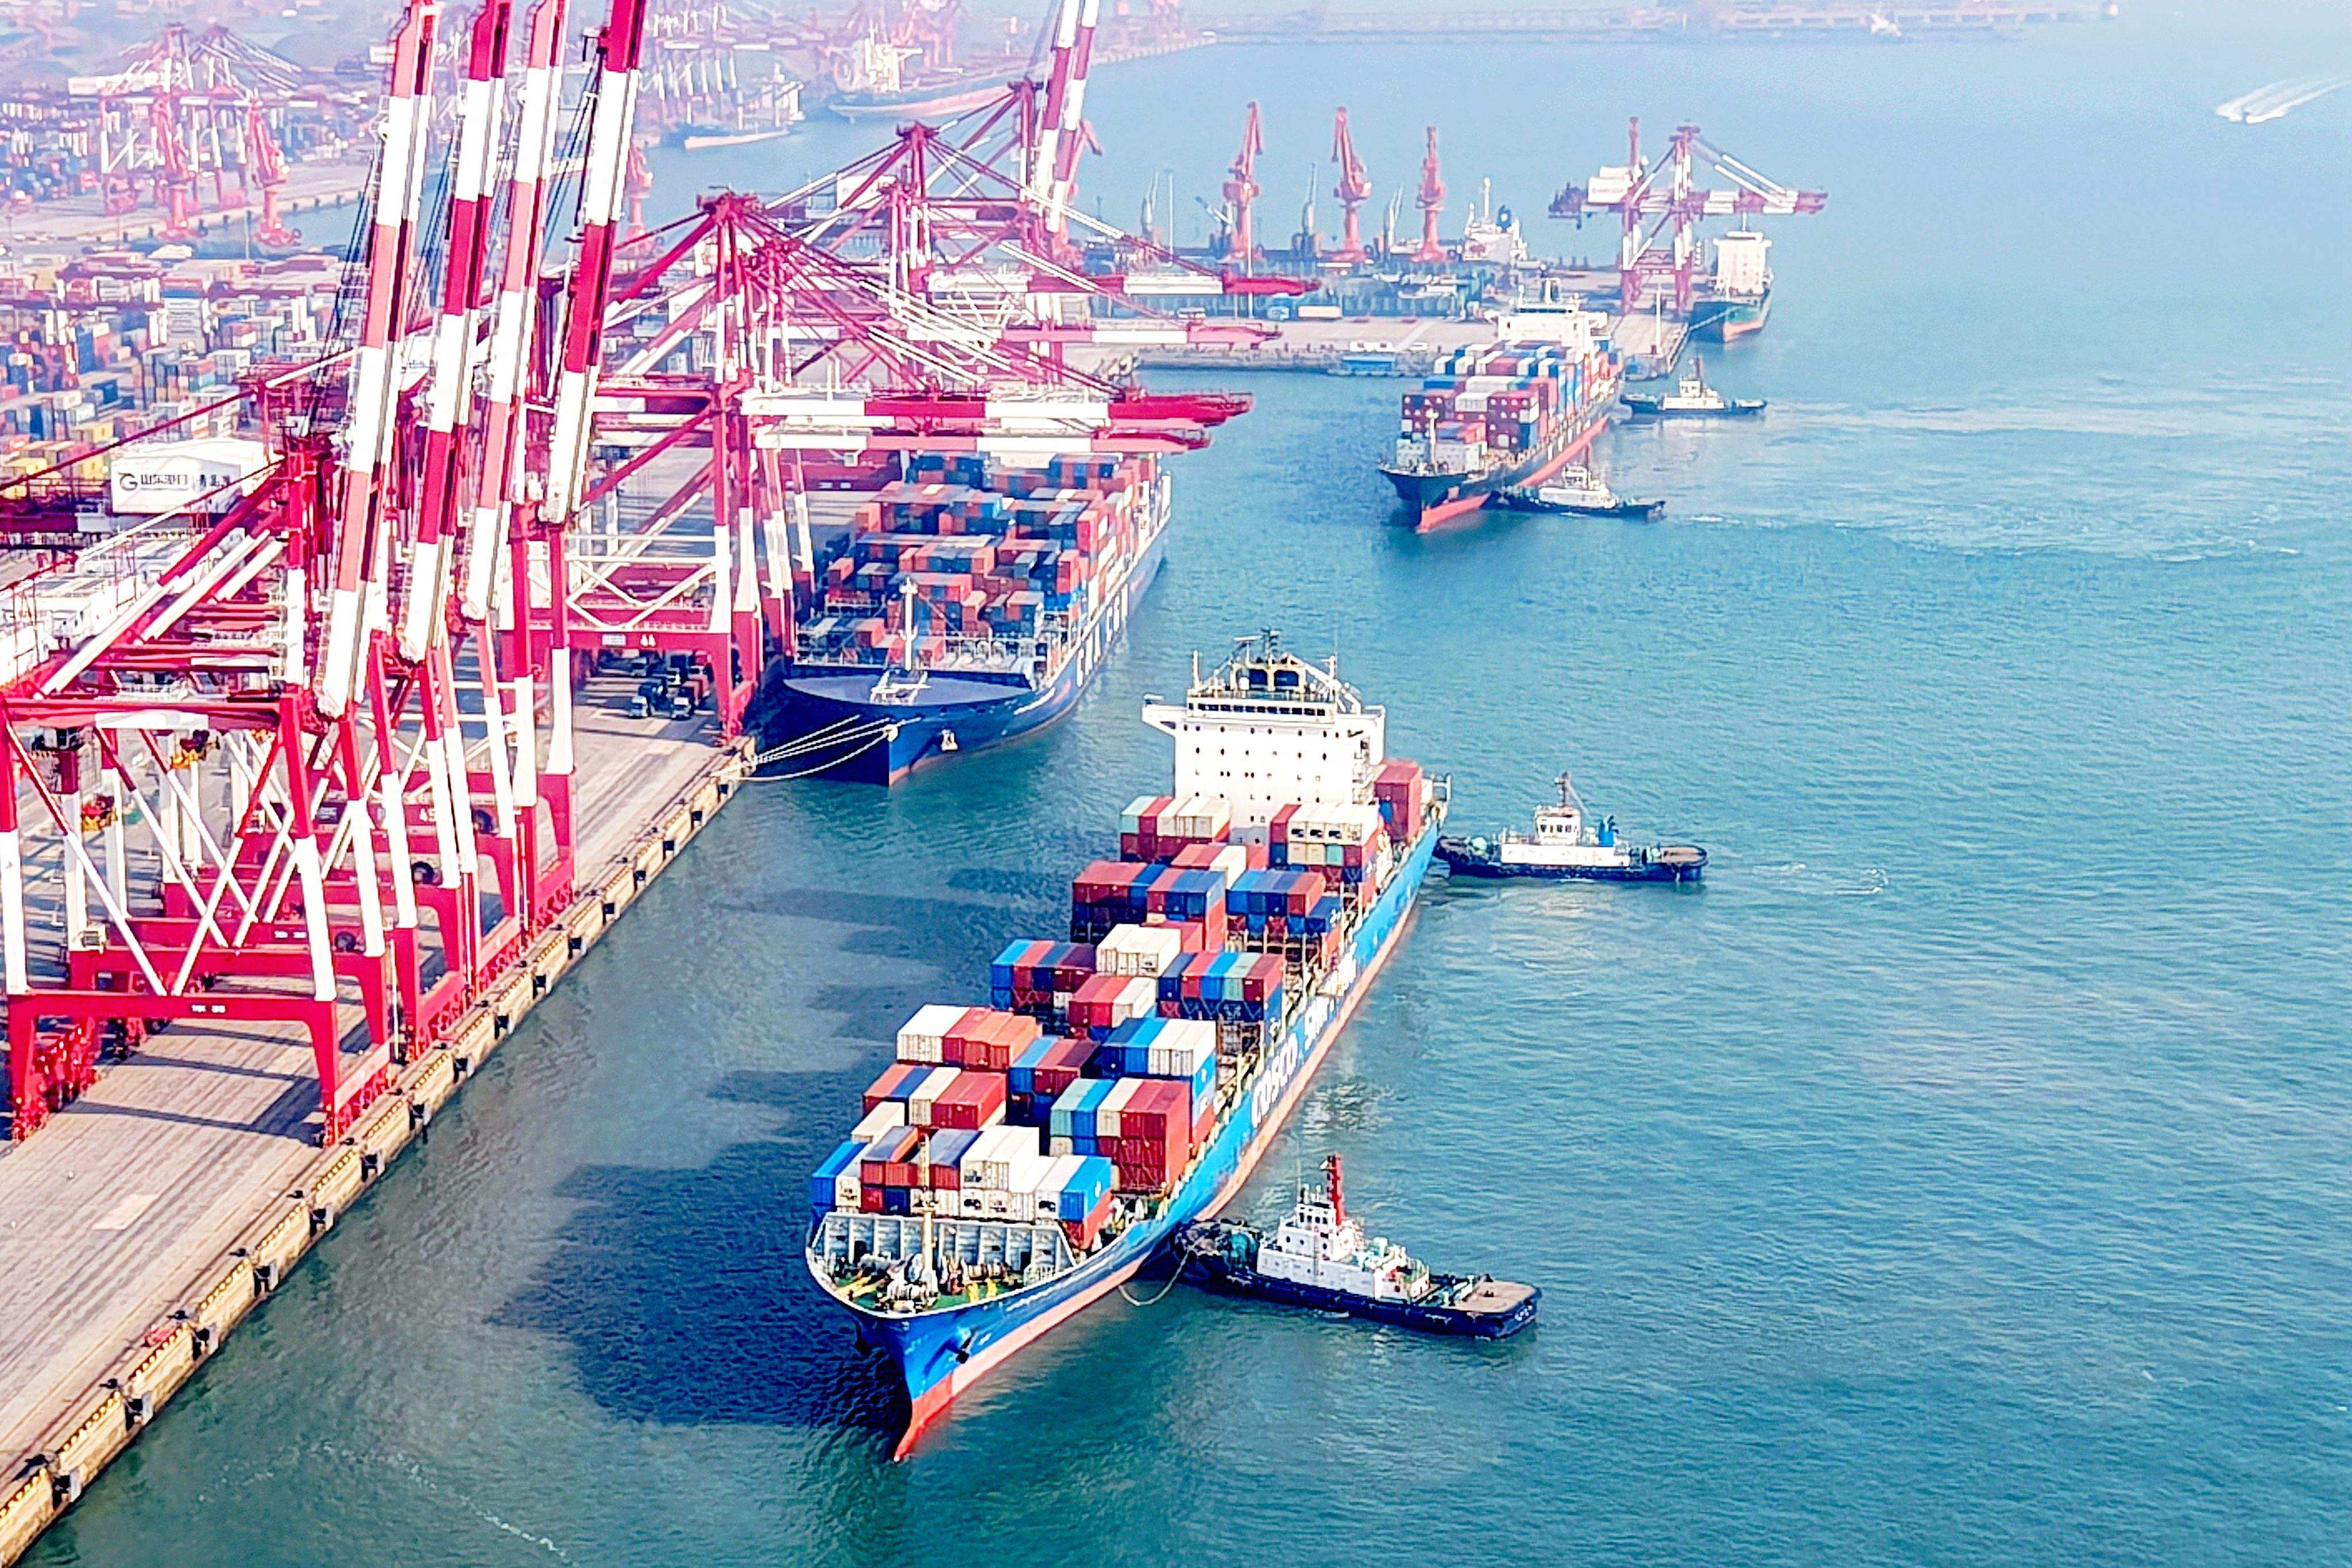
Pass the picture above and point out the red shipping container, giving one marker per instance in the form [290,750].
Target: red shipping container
[972,1102]
[1064,1065]
[897,1080]
[869,1197]
[988,1041]
[1085,1233]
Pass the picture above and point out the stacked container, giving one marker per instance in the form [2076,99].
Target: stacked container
[1156,827]
[1402,792]
[979,561]
[1107,1001]
[1038,978]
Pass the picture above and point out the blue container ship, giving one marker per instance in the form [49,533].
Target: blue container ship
[968,607]
[964,1219]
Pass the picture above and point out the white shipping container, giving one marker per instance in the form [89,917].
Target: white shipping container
[1061,1171]
[988,1163]
[924,1037]
[934,1085]
[1138,998]
[844,1188]
[1202,817]
[1141,951]
[881,1119]
[1107,1112]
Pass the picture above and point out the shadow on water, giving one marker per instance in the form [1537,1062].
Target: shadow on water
[684,1296]
[937,931]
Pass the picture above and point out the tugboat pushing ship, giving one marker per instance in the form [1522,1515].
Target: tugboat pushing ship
[1320,1258]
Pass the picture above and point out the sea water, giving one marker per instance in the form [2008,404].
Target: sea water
[1963,1173]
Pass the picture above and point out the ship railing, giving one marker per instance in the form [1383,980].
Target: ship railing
[1034,1250]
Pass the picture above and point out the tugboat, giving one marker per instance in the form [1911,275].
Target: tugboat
[1580,490]
[1692,399]
[1562,846]
[1320,1257]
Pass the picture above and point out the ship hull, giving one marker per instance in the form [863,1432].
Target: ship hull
[916,104]
[1461,860]
[1727,318]
[1432,500]
[941,1354]
[829,718]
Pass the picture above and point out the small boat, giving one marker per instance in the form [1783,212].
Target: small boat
[1320,1258]
[1692,399]
[1563,847]
[695,139]
[1578,489]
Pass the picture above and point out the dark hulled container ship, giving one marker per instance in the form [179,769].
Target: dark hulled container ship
[1506,415]
[970,604]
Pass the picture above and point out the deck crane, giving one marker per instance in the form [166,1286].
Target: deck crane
[1354,189]
[1660,207]
[1431,202]
[1241,193]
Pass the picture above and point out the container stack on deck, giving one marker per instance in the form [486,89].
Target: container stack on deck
[1506,398]
[1097,1069]
[995,556]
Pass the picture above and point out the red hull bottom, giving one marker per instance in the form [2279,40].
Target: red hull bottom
[1439,516]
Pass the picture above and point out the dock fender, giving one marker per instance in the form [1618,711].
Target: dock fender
[202,1338]
[65,1486]
[323,1218]
[136,1408]
[420,1116]
[265,1277]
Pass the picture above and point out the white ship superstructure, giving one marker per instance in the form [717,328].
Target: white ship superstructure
[1272,730]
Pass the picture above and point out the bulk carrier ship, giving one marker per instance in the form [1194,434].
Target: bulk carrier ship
[968,604]
[1024,1159]
[1506,415]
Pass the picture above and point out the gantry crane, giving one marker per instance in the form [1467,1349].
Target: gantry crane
[1431,199]
[1353,190]
[1241,193]
[1660,207]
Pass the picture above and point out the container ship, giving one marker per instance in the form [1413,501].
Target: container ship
[1020,1160]
[969,604]
[1738,298]
[1504,415]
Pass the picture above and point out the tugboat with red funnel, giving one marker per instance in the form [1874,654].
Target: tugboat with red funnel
[1320,1258]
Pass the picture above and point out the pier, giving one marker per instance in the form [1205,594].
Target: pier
[154,1214]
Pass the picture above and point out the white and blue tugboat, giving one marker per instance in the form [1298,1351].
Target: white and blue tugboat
[1320,1258]
[1565,846]
[1691,399]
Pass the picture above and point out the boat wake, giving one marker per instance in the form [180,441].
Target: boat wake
[2279,98]
[1796,876]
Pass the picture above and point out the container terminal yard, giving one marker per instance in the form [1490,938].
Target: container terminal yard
[377,631]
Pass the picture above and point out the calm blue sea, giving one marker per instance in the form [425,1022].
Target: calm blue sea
[1963,1175]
